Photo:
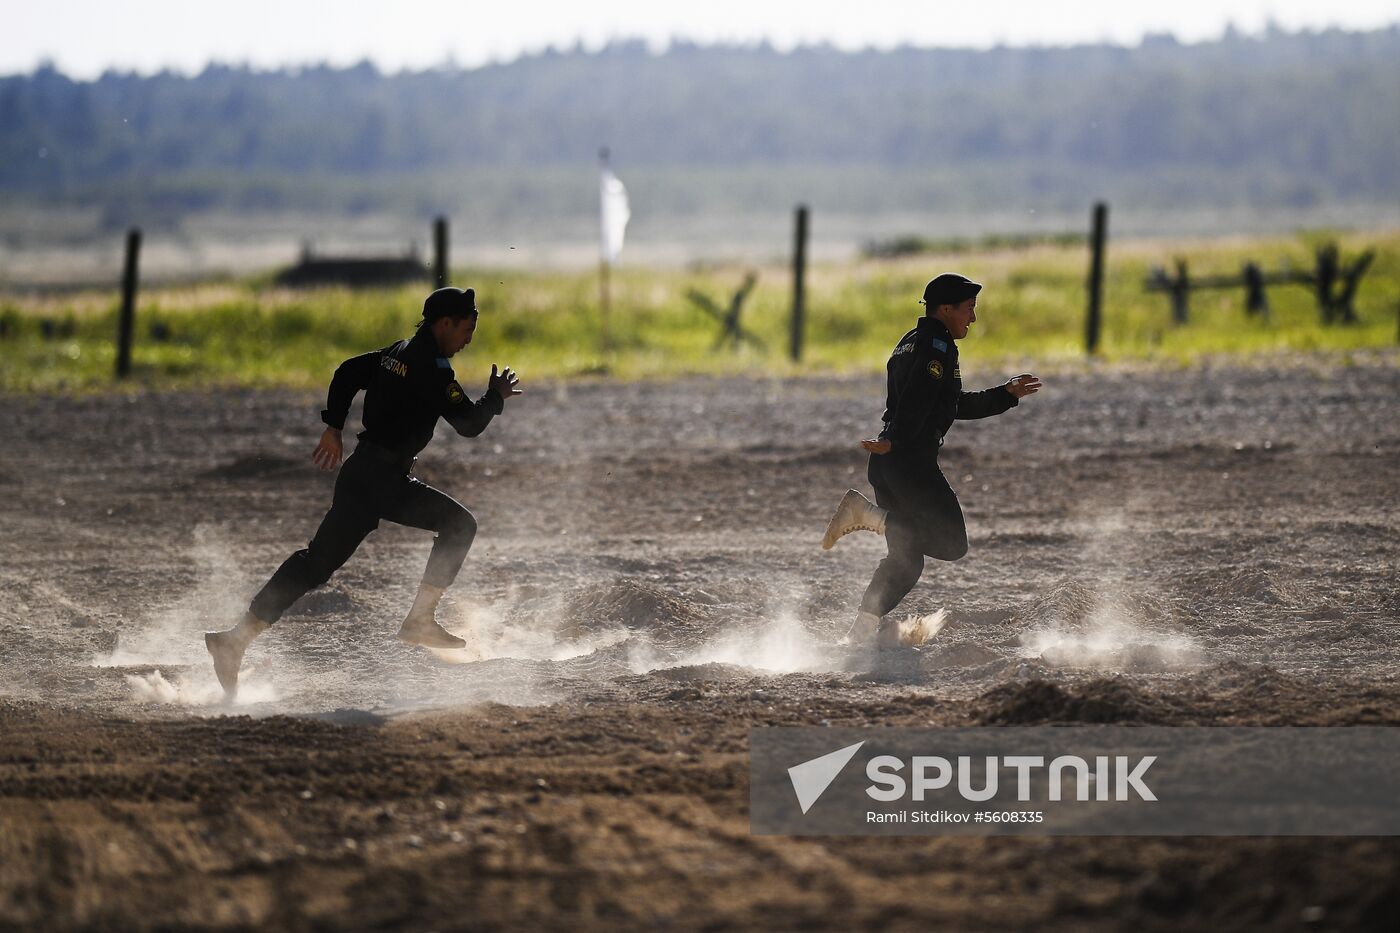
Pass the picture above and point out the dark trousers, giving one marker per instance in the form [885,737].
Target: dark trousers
[925,521]
[369,490]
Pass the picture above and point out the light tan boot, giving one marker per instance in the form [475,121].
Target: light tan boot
[422,628]
[226,648]
[863,630]
[855,513]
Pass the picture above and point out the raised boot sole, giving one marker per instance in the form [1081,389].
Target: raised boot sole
[844,521]
[227,662]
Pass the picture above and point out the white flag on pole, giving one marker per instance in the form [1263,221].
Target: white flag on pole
[615,214]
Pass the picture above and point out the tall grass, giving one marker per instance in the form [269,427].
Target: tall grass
[548,324]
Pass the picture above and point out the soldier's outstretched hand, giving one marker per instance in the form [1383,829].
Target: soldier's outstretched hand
[506,383]
[876,445]
[1023,385]
[328,450]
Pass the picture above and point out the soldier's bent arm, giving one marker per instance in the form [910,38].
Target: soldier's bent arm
[469,418]
[984,404]
[350,377]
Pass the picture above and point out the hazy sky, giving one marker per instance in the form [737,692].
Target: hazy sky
[84,37]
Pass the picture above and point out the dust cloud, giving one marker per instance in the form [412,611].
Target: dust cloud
[171,635]
[1113,622]
[921,630]
[186,690]
[780,644]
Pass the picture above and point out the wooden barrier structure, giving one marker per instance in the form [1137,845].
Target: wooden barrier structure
[799,285]
[1333,283]
[1330,271]
[1094,318]
[440,252]
[731,330]
[126,322]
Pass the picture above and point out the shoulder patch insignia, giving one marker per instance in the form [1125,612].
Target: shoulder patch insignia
[454,393]
[939,345]
[444,363]
[935,369]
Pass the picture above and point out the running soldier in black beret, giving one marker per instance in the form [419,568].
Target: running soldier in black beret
[915,508]
[408,386]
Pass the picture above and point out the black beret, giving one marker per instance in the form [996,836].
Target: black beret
[949,289]
[449,302]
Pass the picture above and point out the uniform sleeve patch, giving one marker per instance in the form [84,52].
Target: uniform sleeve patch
[935,369]
[939,345]
[444,363]
[454,393]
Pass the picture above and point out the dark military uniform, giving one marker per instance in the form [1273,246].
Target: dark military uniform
[925,396]
[408,387]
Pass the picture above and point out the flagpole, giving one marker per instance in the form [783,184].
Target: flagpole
[605,303]
[604,297]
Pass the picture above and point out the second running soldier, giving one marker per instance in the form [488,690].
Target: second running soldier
[408,386]
[915,508]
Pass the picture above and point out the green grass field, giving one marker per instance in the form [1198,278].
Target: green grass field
[547,325]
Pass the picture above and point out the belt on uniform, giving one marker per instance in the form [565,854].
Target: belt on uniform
[401,459]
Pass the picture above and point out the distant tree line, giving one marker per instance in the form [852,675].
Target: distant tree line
[1312,112]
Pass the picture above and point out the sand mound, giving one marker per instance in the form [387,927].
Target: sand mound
[1074,625]
[1259,681]
[1076,606]
[962,655]
[1259,586]
[635,606]
[1110,700]
[704,673]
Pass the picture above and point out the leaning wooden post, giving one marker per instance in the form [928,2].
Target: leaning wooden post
[440,252]
[1096,239]
[799,275]
[126,324]
[1351,278]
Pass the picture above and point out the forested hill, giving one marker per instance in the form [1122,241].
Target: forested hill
[1315,108]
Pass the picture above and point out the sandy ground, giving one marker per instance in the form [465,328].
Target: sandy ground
[1208,547]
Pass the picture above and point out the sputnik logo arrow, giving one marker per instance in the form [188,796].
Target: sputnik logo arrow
[811,778]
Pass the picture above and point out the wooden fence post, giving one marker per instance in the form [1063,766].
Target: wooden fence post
[126,323]
[1096,243]
[440,252]
[1255,301]
[1181,294]
[799,274]
[1323,278]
